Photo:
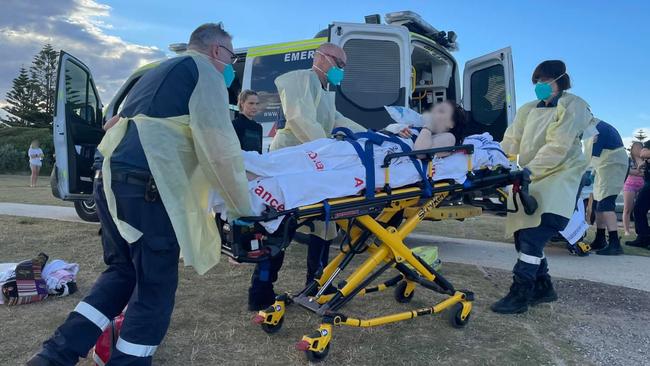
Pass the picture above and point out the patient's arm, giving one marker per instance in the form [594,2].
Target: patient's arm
[427,140]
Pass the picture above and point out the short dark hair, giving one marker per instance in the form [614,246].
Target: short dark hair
[553,69]
[206,35]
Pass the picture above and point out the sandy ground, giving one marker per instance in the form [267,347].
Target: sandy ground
[591,324]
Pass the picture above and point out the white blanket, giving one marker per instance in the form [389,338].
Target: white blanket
[327,168]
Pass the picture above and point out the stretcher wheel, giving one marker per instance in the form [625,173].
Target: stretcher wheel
[270,328]
[315,356]
[455,318]
[399,293]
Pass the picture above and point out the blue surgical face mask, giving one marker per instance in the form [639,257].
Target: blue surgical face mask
[544,90]
[335,74]
[228,72]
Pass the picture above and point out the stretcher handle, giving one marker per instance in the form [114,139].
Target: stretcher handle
[429,153]
[520,189]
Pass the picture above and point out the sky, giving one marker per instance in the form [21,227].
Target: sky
[605,44]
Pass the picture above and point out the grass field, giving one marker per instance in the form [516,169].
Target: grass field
[16,189]
[592,324]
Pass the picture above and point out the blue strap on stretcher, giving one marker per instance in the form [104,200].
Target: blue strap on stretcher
[419,166]
[367,156]
[327,208]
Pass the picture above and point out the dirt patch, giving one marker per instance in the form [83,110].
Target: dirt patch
[591,324]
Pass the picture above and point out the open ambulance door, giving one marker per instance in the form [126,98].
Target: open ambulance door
[77,129]
[377,73]
[489,93]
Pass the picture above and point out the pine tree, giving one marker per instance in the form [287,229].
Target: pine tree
[43,76]
[640,135]
[22,108]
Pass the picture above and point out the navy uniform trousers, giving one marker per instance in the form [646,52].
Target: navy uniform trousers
[143,275]
[641,208]
[266,273]
[530,242]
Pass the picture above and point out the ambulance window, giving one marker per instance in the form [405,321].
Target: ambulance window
[372,74]
[488,97]
[81,101]
[263,73]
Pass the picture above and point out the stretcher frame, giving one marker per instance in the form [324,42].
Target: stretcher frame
[375,225]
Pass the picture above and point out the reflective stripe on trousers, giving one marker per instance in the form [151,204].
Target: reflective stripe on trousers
[92,314]
[137,350]
[531,259]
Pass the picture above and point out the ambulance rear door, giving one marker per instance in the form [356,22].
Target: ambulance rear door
[77,129]
[377,73]
[489,93]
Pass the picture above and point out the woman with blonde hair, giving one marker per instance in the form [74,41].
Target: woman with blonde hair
[248,131]
[35,161]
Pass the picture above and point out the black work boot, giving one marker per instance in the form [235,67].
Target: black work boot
[260,297]
[639,242]
[516,301]
[38,360]
[543,291]
[600,241]
[614,246]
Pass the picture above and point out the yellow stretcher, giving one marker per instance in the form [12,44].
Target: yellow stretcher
[375,228]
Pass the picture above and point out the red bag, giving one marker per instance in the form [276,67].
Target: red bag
[106,342]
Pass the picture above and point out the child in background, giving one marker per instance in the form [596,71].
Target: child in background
[35,161]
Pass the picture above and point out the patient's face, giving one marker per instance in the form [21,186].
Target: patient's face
[441,118]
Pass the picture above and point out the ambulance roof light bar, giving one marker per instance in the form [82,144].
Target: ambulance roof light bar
[416,24]
[373,19]
[178,47]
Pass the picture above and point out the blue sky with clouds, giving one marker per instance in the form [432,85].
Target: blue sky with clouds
[605,44]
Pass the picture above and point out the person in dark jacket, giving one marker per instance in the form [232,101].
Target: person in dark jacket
[248,131]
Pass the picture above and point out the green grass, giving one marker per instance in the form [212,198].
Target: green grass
[211,326]
[16,189]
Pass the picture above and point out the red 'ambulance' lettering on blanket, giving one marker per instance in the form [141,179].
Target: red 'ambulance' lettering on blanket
[267,197]
[357,182]
[314,158]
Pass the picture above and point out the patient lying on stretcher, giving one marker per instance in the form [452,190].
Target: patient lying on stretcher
[330,168]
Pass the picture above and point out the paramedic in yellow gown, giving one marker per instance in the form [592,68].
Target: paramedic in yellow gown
[546,135]
[310,114]
[172,144]
[610,164]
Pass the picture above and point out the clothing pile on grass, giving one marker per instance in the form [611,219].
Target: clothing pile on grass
[35,279]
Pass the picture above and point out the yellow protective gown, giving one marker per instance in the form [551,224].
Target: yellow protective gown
[610,167]
[188,155]
[548,142]
[310,114]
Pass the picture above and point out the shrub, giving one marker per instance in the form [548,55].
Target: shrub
[14,143]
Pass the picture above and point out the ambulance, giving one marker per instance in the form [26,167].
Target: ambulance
[403,61]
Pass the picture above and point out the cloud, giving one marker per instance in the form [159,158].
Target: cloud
[80,27]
